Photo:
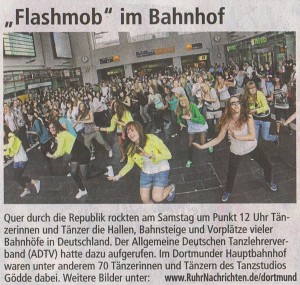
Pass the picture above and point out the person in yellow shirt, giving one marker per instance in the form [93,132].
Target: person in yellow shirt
[121,116]
[259,108]
[79,154]
[151,155]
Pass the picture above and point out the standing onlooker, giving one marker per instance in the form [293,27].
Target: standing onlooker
[281,103]
[20,123]
[222,90]
[292,90]
[9,118]
[268,75]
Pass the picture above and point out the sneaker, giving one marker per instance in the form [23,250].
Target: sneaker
[122,159]
[93,157]
[172,193]
[168,125]
[69,174]
[37,185]
[157,131]
[189,164]
[174,135]
[25,192]
[81,193]
[272,186]
[211,149]
[225,196]
[290,131]
[110,153]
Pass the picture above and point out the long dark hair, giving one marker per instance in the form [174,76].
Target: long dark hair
[281,83]
[31,113]
[246,98]
[130,147]
[58,127]
[6,132]
[120,109]
[228,115]
[53,116]
[83,114]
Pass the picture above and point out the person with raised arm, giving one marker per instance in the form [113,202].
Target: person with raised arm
[151,155]
[238,123]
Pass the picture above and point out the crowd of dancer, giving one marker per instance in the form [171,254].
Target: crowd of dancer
[210,104]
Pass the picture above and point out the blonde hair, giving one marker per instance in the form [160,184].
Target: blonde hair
[186,109]
[206,86]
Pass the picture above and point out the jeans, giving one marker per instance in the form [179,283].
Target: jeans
[268,87]
[175,126]
[258,155]
[265,130]
[98,137]
[159,179]
[19,168]
[144,114]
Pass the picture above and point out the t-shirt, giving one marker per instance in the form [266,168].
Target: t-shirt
[10,121]
[224,94]
[142,99]
[18,117]
[280,97]
[21,155]
[213,106]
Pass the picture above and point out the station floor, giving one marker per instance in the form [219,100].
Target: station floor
[202,183]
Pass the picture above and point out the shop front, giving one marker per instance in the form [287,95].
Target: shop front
[112,72]
[18,83]
[155,66]
[269,48]
[201,61]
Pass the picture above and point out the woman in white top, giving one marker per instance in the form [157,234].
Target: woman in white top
[279,95]
[222,89]
[72,112]
[213,110]
[13,148]
[240,127]
[9,118]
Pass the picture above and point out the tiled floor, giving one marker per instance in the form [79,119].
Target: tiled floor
[202,183]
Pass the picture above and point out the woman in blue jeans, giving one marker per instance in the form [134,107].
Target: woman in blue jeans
[151,155]
[259,108]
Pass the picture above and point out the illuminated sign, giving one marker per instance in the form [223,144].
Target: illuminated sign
[193,46]
[202,57]
[259,41]
[157,51]
[109,59]
[231,47]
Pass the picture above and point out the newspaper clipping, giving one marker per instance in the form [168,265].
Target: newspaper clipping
[149,142]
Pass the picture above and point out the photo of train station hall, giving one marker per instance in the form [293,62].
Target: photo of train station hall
[132,118]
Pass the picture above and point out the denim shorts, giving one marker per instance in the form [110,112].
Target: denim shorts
[20,164]
[159,179]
